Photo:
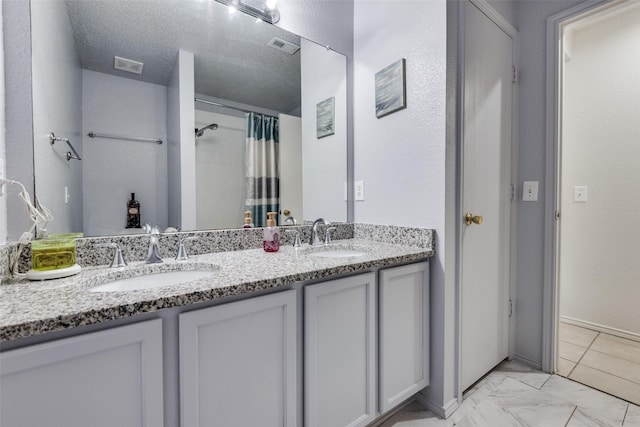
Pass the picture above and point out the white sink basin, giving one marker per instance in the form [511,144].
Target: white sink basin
[338,253]
[151,281]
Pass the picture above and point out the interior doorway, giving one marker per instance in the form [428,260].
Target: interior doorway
[598,189]
[485,191]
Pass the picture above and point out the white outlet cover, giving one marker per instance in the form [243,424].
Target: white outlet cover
[530,191]
[580,194]
[359,191]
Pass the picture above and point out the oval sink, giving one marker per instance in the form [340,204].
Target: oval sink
[151,281]
[339,253]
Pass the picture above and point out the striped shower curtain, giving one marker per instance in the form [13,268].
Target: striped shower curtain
[261,167]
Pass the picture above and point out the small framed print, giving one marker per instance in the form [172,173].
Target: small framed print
[325,118]
[391,89]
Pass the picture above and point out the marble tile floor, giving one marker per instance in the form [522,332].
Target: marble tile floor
[601,361]
[514,394]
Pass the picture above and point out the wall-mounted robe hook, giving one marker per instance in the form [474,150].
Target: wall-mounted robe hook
[69,155]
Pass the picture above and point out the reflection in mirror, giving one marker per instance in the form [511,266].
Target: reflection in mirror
[137,72]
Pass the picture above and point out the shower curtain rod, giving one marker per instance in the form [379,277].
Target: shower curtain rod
[217,104]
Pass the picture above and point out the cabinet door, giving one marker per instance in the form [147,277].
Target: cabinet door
[238,363]
[404,333]
[340,352]
[107,378]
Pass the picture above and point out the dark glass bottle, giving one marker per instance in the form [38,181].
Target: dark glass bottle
[133,212]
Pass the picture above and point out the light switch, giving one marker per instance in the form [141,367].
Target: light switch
[359,190]
[530,191]
[580,194]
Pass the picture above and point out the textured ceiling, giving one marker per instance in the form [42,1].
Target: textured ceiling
[232,60]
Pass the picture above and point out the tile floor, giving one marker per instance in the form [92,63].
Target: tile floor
[516,395]
[601,361]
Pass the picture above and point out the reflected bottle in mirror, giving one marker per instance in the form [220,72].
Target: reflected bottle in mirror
[133,212]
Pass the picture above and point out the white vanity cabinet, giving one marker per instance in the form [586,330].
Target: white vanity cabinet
[238,363]
[404,333]
[100,379]
[340,352]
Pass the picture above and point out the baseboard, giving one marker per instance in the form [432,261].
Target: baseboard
[601,328]
[533,363]
[441,411]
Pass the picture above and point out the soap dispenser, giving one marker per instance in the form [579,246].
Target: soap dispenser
[271,242]
[248,222]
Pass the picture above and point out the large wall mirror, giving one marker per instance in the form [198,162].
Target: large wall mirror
[188,73]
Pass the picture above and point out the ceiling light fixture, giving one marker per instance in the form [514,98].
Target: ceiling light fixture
[265,14]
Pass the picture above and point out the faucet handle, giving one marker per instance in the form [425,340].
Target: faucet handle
[118,260]
[183,255]
[296,243]
[327,235]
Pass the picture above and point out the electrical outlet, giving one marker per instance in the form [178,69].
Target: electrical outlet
[580,194]
[530,191]
[359,190]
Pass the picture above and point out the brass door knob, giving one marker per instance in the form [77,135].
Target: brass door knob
[469,219]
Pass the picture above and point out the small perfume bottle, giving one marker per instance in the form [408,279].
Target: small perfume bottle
[271,241]
[133,212]
[248,222]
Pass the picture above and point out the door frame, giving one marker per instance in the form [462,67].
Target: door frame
[554,48]
[505,26]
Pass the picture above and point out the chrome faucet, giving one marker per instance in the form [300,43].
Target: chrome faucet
[118,260]
[153,255]
[315,240]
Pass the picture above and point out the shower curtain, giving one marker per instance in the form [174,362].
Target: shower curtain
[261,167]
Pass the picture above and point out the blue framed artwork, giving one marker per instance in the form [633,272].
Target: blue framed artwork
[325,123]
[391,89]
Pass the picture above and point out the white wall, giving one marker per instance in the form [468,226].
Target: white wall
[324,160]
[181,143]
[57,102]
[115,168]
[531,21]
[220,176]
[401,157]
[290,167]
[600,272]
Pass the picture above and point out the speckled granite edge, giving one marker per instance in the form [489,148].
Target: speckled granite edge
[135,246]
[60,323]
[89,253]
[410,236]
[33,308]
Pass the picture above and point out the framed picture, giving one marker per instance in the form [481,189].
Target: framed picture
[325,123]
[391,89]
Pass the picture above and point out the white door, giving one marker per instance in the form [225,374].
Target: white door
[485,194]
[340,352]
[403,350]
[238,363]
[100,379]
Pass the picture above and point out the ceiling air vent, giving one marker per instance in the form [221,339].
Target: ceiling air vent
[128,65]
[284,46]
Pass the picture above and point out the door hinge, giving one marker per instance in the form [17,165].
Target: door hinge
[557,215]
[513,192]
[514,74]
[510,307]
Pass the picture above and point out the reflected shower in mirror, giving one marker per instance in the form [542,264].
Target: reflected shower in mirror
[155,70]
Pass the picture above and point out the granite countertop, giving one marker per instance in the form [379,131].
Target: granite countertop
[32,308]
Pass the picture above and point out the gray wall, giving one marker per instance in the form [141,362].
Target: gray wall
[57,106]
[531,21]
[18,111]
[115,168]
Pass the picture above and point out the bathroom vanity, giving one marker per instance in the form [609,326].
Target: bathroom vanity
[268,339]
